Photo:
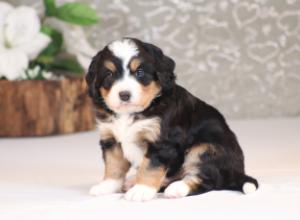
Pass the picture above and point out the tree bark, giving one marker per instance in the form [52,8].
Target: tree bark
[44,107]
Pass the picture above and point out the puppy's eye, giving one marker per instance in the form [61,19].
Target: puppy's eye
[139,73]
[109,74]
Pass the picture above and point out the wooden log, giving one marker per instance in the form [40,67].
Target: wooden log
[44,107]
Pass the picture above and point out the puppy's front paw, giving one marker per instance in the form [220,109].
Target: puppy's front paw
[140,193]
[106,187]
[177,189]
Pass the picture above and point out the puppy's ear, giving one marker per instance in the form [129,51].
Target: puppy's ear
[94,81]
[91,75]
[165,66]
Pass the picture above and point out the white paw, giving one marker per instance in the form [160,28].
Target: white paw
[249,188]
[140,193]
[106,187]
[177,189]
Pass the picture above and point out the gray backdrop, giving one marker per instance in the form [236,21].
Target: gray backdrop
[241,56]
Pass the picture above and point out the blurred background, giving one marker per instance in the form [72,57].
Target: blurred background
[241,56]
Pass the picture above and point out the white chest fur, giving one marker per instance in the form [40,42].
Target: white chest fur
[128,132]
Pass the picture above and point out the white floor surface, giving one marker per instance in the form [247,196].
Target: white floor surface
[49,178]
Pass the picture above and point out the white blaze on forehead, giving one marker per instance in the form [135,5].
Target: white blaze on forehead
[124,49]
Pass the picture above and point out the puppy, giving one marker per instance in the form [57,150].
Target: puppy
[177,143]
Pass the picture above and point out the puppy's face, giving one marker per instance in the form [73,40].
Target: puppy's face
[128,74]
[129,79]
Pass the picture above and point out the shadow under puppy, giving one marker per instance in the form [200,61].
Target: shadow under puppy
[177,143]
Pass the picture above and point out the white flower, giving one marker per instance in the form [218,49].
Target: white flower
[38,73]
[75,42]
[20,39]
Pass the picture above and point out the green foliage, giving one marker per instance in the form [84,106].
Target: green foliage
[56,41]
[48,58]
[72,12]
[69,65]
[44,60]
[77,13]
[50,7]
[53,57]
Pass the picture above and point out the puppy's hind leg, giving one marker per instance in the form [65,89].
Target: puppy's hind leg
[190,182]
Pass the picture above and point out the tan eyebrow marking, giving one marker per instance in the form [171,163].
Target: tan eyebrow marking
[110,65]
[134,64]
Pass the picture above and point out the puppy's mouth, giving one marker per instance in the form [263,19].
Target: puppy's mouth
[126,105]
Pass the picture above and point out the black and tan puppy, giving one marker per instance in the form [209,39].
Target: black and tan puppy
[177,143]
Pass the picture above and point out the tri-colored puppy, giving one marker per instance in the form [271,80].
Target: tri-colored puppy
[177,143]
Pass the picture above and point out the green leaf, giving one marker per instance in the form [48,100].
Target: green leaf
[50,7]
[44,59]
[68,64]
[57,40]
[77,13]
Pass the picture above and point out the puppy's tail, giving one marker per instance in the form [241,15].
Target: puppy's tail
[244,183]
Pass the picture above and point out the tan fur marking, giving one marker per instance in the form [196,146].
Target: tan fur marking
[110,65]
[104,93]
[134,64]
[192,181]
[106,134]
[116,166]
[150,176]
[191,165]
[192,159]
[149,92]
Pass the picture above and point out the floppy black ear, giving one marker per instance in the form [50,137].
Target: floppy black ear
[165,66]
[90,77]
[93,81]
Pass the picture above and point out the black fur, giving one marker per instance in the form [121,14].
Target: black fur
[186,121]
[107,143]
[164,65]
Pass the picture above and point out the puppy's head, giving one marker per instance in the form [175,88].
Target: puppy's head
[128,74]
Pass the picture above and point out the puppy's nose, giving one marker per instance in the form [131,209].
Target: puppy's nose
[124,95]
